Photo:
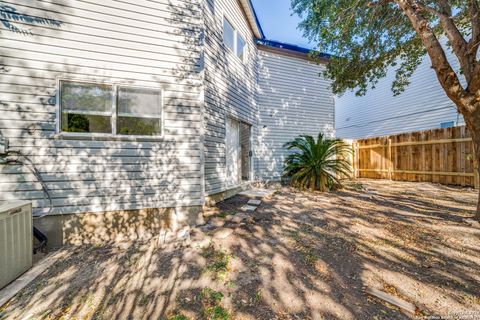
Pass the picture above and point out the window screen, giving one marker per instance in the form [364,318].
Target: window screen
[86,107]
[139,111]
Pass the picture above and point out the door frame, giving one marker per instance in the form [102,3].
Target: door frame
[251,162]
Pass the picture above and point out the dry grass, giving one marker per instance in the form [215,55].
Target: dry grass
[304,256]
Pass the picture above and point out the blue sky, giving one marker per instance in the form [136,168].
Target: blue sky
[278,23]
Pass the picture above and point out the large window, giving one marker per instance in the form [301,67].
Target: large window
[91,108]
[233,40]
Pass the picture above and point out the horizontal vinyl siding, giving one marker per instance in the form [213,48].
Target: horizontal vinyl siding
[139,43]
[424,105]
[293,100]
[230,86]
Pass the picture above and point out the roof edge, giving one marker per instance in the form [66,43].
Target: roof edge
[252,18]
[291,49]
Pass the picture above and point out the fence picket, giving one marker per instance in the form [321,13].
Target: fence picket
[440,155]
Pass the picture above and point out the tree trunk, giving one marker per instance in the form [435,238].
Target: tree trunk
[474,127]
[477,215]
[471,113]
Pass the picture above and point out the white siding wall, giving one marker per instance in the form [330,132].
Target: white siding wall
[424,105]
[230,86]
[134,42]
[293,100]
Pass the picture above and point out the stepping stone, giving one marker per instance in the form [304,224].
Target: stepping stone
[248,208]
[254,202]
[239,217]
[217,222]
[222,233]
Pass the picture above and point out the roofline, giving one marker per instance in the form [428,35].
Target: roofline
[253,18]
[290,49]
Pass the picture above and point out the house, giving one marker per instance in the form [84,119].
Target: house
[422,106]
[135,114]
[293,100]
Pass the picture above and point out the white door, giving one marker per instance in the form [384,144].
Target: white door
[233,149]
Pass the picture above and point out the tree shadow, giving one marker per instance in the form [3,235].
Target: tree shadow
[300,256]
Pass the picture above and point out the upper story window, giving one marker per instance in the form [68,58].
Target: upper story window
[228,35]
[241,47]
[94,108]
[233,40]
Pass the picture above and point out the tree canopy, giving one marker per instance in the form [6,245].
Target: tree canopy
[367,37]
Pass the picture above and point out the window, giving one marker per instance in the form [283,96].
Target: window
[448,124]
[139,112]
[228,35]
[86,107]
[233,40]
[241,47]
[110,109]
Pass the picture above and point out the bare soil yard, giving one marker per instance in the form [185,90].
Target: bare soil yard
[299,256]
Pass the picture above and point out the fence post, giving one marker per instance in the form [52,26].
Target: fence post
[354,162]
[357,161]
[390,177]
[477,176]
[477,180]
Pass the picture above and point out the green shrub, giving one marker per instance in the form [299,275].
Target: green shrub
[317,165]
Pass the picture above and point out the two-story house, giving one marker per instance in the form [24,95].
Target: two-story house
[124,117]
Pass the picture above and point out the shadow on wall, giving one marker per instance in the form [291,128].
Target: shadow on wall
[95,176]
[18,22]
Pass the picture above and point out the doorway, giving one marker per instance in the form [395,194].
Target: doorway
[238,152]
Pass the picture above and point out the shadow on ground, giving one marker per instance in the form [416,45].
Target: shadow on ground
[299,256]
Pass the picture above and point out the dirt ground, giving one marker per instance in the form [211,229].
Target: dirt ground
[300,255]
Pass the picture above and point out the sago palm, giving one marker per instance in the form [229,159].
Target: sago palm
[317,165]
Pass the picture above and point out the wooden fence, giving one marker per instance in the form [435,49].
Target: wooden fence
[442,156]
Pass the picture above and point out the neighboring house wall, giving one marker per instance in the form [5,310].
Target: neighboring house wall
[294,99]
[424,105]
[132,42]
[230,86]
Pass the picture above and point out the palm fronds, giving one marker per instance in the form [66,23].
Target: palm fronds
[317,165]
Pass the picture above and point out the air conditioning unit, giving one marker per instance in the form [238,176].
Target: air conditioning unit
[16,240]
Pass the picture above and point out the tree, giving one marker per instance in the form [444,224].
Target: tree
[317,165]
[366,37]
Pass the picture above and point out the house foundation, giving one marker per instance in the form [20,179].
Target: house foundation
[116,226]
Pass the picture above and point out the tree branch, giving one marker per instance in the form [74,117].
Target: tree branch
[447,9]
[379,3]
[445,73]
[475,18]
[459,45]
[430,9]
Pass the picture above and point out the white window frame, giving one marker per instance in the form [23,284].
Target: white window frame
[113,115]
[235,39]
